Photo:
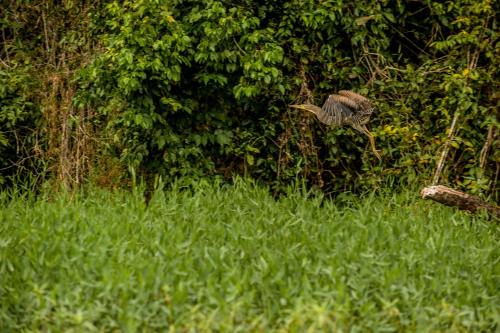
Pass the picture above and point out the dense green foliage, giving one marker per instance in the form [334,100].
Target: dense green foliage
[98,91]
[18,115]
[232,259]
[43,45]
[197,88]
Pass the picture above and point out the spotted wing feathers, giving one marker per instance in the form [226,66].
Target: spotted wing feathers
[361,101]
[346,108]
[337,110]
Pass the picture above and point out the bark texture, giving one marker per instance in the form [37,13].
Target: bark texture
[461,200]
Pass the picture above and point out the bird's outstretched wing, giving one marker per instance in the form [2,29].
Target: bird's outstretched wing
[360,101]
[336,110]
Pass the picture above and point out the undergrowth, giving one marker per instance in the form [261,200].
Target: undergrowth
[215,258]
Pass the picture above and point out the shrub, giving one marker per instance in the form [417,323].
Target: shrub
[201,88]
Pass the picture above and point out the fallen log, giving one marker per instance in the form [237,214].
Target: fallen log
[461,200]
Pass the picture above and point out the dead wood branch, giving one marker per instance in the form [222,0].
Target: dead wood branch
[461,200]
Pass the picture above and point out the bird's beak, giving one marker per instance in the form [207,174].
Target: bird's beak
[301,107]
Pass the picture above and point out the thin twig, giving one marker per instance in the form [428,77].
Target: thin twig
[495,180]
[45,32]
[446,148]
[5,64]
[484,152]
[238,45]
[4,40]
[407,39]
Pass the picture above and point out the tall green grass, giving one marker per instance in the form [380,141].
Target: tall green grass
[233,259]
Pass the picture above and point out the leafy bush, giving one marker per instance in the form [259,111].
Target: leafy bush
[18,115]
[43,44]
[198,88]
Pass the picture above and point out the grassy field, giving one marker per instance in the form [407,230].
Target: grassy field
[233,259]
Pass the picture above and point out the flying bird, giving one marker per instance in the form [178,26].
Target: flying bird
[344,108]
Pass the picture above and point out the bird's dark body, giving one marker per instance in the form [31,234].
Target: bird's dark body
[344,108]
